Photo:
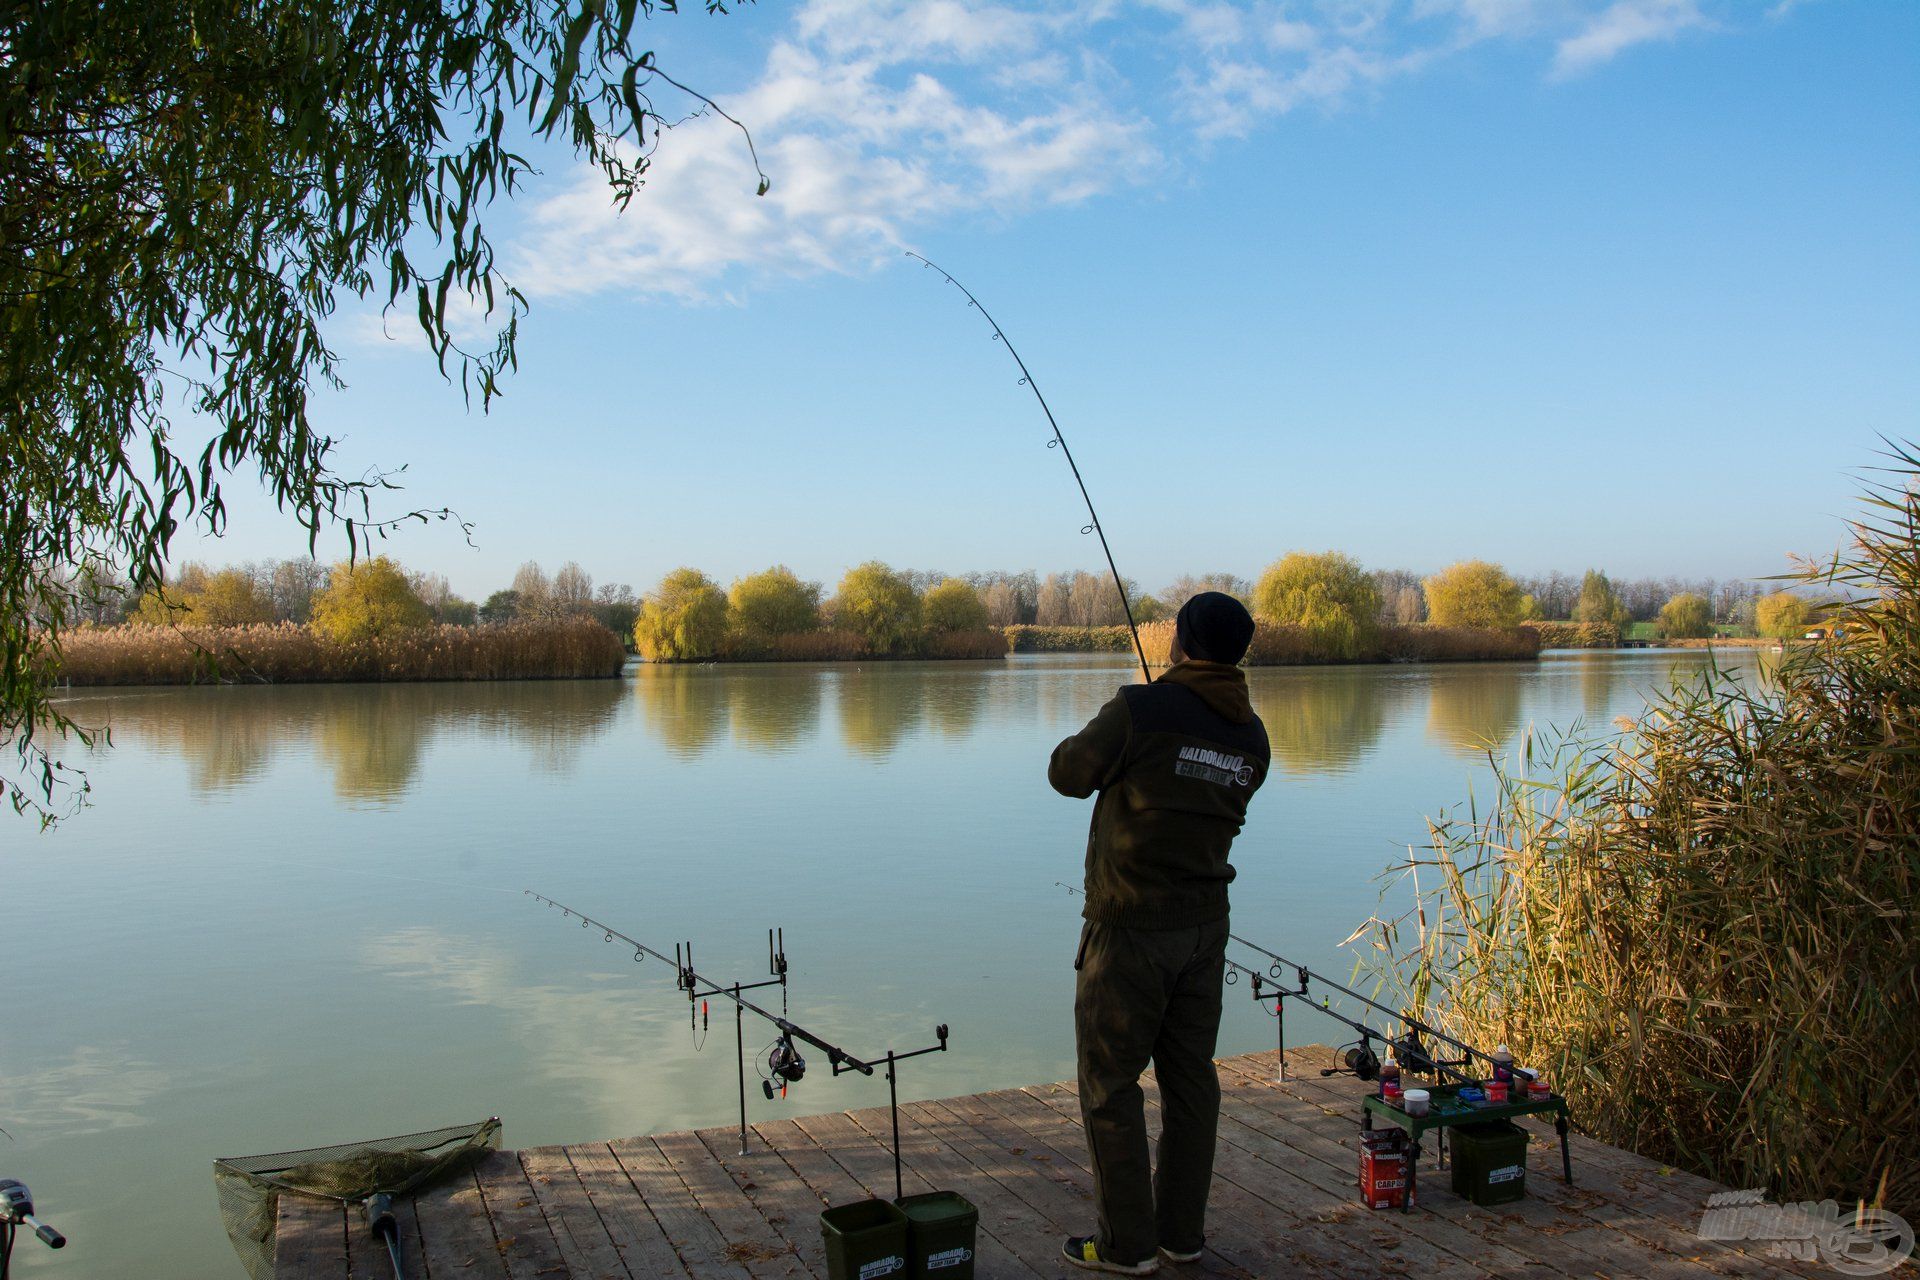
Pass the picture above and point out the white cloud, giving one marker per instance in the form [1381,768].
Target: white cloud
[1621,26]
[881,119]
[865,143]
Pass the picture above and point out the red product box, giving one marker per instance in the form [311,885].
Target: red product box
[1383,1168]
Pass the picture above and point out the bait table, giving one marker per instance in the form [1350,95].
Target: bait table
[1446,1109]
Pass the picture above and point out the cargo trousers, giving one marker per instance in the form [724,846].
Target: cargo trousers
[1140,996]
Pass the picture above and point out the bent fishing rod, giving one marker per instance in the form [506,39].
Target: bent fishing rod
[784,1062]
[1059,441]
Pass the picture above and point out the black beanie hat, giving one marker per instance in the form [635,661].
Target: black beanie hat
[1214,627]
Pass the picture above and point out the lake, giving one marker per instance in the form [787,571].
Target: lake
[293,915]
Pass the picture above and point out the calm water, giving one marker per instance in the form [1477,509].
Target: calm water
[293,915]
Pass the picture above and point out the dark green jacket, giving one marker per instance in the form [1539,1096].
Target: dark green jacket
[1175,763]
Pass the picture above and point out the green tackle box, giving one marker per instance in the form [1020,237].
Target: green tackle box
[1489,1161]
[865,1240]
[941,1229]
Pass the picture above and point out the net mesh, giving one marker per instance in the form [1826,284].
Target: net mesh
[250,1187]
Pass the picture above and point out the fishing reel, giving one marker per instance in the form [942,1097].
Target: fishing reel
[1359,1060]
[16,1211]
[785,1065]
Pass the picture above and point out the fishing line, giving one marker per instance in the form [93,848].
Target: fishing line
[1059,441]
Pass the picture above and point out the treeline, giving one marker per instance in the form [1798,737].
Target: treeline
[288,591]
[876,611]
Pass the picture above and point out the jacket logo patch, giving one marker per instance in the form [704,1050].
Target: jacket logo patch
[1214,766]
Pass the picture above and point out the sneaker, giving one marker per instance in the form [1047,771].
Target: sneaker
[1181,1255]
[1084,1252]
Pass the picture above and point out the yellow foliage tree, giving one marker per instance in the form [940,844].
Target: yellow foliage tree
[197,598]
[683,618]
[1687,616]
[367,599]
[879,605]
[774,602]
[1327,593]
[1474,593]
[1782,615]
[954,606]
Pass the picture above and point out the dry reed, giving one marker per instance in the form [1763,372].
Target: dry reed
[286,653]
[1576,635]
[1705,932]
[849,646]
[1026,638]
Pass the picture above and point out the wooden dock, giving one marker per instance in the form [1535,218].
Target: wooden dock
[686,1206]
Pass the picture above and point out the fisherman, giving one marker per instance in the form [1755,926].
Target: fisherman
[1175,763]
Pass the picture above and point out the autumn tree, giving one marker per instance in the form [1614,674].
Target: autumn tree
[877,604]
[953,606]
[1782,615]
[683,618]
[1599,602]
[367,599]
[1474,593]
[774,602]
[1686,617]
[1326,593]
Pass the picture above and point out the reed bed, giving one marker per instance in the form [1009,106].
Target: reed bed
[1276,645]
[285,653]
[1026,638]
[1576,635]
[1705,930]
[849,646]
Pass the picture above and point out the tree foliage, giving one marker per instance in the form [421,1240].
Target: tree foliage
[879,605]
[1782,615]
[1686,617]
[953,606]
[367,599]
[774,602]
[1474,593]
[1599,602]
[187,192]
[1327,593]
[683,618]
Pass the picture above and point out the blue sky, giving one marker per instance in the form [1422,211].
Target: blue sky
[1558,283]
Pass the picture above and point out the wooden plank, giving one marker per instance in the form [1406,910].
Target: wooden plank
[309,1239]
[456,1239]
[1247,1232]
[705,1250]
[526,1243]
[779,1195]
[1285,1188]
[1067,1204]
[1584,1217]
[629,1218]
[870,1163]
[1551,1226]
[585,1242]
[754,1242]
[1027,1232]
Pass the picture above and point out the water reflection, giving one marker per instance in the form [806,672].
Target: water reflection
[879,708]
[685,707]
[1474,709]
[774,709]
[372,738]
[1324,720]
